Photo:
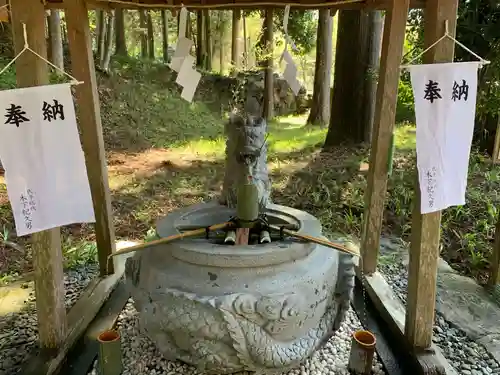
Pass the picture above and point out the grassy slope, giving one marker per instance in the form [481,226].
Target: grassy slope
[164,153]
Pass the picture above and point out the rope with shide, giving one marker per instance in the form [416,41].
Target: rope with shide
[168,5]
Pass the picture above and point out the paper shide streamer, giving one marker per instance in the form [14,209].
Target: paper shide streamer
[182,62]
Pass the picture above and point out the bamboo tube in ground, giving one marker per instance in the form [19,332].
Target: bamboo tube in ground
[362,353]
[110,353]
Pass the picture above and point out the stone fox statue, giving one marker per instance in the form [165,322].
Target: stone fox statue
[246,159]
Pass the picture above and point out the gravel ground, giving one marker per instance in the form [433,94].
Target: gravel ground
[18,336]
[466,356]
[140,355]
[18,331]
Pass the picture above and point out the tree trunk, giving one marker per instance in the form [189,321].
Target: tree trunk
[235,40]
[347,120]
[486,123]
[245,43]
[109,41]
[208,39]
[485,132]
[221,42]
[49,37]
[200,44]
[374,48]
[151,36]
[144,36]
[96,32]
[101,34]
[320,108]
[261,46]
[64,34]
[267,32]
[189,27]
[56,44]
[164,34]
[120,40]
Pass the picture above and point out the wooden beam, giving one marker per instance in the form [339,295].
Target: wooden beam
[385,114]
[82,62]
[392,311]
[241,4]
[425,236]
[47,254]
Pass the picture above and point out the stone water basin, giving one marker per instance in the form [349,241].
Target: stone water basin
[227,308]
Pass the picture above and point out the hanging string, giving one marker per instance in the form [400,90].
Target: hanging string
[446,35]
[288,40]
[27,48]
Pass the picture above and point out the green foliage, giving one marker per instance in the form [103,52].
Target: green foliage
[8,78]
[302,26]
[414,41]
[168,153]
[478,27]
[405,111]
[151,235]
[78,253]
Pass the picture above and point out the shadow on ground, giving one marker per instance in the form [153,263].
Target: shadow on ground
[330,186]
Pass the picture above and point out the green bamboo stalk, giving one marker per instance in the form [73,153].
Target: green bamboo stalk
[110,353]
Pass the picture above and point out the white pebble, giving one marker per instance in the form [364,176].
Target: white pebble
[141,356]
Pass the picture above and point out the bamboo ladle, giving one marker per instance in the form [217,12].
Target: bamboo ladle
[225,225]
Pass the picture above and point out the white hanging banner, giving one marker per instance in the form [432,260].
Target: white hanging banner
[42,156]
[445,108]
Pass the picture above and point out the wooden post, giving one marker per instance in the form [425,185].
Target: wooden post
[494,278]
[82,63]
[47,254]
[385,114]
[425,237]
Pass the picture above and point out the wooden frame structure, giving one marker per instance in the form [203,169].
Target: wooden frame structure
[59,329]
